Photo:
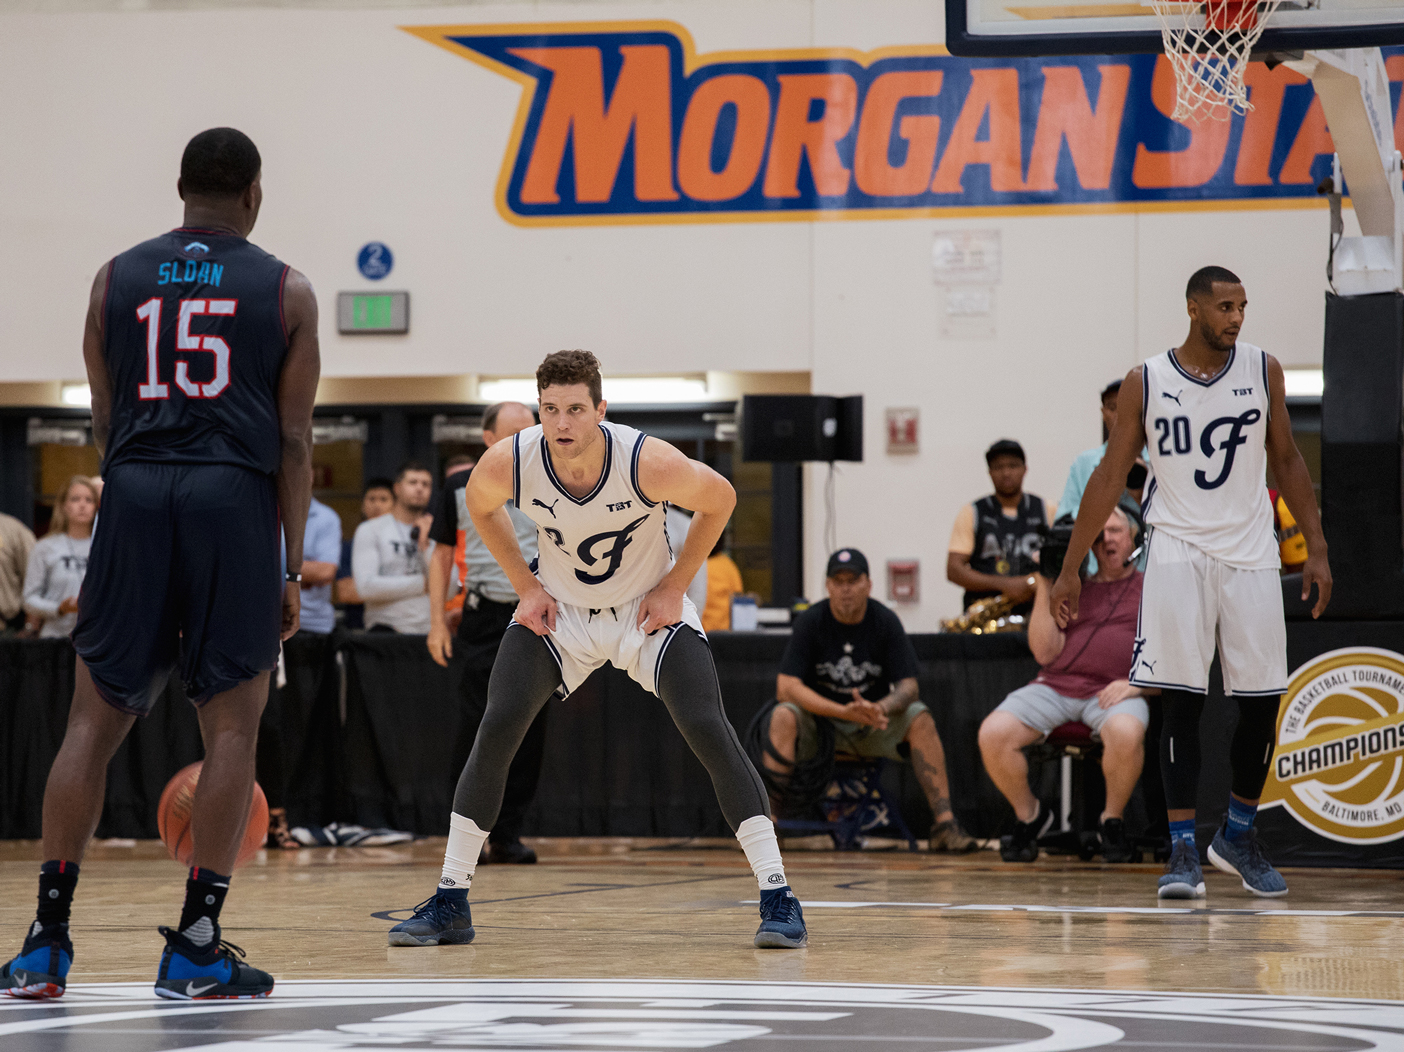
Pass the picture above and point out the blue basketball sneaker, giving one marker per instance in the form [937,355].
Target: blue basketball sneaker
[40,971]
[782,921]
[1245,860]
[444,918]
[205,973]
[1183,879]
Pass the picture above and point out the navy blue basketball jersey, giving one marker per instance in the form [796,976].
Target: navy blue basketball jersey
[195,342]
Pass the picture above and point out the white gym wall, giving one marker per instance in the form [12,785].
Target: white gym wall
[369,133]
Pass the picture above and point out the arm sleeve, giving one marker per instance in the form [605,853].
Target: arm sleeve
[797,659]
[36,579]
[963,532]
[445,528]
[365,567]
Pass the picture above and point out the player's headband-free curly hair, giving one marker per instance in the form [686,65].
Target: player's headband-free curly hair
[567,368]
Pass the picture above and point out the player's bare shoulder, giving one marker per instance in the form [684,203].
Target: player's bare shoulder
[490,483]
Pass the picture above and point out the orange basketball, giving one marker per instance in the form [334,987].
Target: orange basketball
[173,818]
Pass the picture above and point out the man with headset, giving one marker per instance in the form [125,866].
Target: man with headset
[1084,677]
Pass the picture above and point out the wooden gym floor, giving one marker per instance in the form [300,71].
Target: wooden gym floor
[672,919]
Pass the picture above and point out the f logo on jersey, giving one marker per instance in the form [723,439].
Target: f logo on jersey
[615,554]
[1229,445]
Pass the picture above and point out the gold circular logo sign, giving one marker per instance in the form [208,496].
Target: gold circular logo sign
[1339,764]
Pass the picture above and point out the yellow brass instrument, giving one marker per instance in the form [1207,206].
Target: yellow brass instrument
[986,616]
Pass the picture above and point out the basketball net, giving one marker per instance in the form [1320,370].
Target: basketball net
[1208,45]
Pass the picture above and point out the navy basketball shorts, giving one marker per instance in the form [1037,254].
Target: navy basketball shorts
[184,568]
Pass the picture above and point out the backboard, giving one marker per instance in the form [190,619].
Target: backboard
[1117,27]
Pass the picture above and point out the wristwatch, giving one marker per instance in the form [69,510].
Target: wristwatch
[294,577]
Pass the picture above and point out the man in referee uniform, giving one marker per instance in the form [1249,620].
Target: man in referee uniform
[202,354]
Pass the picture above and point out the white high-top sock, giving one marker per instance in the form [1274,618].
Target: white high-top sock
[461,856]
[757,837]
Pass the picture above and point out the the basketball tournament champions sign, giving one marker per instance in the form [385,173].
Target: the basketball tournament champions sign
[1339,764]
[624,122]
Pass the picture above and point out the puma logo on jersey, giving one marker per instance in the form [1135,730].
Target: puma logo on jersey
[1242,390]
[1173,397]
[620,506]
[1149,666]
[549,507]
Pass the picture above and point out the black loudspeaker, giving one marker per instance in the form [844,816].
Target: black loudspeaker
[1362,454]
[801,427]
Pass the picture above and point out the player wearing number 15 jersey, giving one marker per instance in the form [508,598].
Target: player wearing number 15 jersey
[203,361]
[1213,414]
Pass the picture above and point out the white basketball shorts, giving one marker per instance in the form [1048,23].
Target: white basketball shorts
[1190,602]
[585,639]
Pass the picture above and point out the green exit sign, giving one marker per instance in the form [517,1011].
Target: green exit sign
[372,312]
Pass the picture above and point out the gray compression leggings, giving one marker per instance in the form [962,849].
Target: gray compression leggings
[525,676]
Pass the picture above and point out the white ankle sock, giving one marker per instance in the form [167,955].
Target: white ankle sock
[461,856]
[757,837]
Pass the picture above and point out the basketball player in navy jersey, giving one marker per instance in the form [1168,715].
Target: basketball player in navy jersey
[605,586]
[1213,414]
[202,355]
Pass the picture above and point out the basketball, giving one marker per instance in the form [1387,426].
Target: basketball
[173,818]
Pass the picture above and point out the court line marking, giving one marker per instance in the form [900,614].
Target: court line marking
[820,904]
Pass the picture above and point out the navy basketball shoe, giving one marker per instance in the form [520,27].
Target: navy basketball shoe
[442,919]
[782,921]
[206,973]
[40,972]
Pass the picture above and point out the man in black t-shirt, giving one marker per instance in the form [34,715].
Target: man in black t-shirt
[850,661]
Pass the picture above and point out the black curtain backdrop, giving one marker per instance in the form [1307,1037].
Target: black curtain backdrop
[614,763]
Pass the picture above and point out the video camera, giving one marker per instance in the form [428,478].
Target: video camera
[1057,537]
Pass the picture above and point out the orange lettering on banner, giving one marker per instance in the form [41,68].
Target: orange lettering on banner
[872,171]
[797,136]
[1313,139]
[995,90]
[1394,69]
[751,98]
[1265,90]
[1198,162]
[1091,133]
[576,110]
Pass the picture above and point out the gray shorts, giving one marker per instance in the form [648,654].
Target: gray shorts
[1041,707]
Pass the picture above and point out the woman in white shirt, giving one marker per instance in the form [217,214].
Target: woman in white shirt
[59,560]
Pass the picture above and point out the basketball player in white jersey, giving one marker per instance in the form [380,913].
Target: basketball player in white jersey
[1213,414]
[606,587]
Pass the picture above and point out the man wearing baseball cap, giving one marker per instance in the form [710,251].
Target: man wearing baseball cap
[994,538]
[850,661]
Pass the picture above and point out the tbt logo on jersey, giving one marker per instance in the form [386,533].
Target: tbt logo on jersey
[1340,747]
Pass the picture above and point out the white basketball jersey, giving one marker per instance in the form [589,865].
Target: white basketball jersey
[605,548]
[1207,442]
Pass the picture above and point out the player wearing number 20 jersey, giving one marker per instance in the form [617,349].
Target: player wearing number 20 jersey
[187,546]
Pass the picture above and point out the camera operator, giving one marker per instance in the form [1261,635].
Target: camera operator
[1083,678]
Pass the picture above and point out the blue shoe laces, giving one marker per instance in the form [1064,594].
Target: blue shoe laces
[1248,845]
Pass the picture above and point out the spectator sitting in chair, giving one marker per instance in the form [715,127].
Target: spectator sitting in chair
[1083,678]
[849,660]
